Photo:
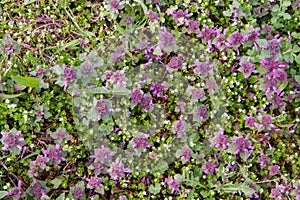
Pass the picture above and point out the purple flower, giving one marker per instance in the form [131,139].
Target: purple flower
[253,35]
[78,193]
[263,160]
[275,193]
[54,154]
[117,169]
[16,192]
[98,167]
[140,142]
[185,153]
[201,113]
[103,154]
[146,179]
[174,63]
[242,145]
[210,167]
[60,135]
[247,68]
[236,39]
[12,141]
[118,79]
[136,96]
[173,184]
[152,16]
[38,190]
[204,68]
[102,107]
[166,39]
[68,75]
[158,88]
[250,121]
[39,162]
[146,102]
[118,53]
[193,26]
[273,170]
[179,14]
[266,122]
[179,126]
[94,183]
[207,33]
[220,140]
[197,93]
[181,106]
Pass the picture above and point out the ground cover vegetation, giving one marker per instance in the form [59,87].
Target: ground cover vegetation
[154,99]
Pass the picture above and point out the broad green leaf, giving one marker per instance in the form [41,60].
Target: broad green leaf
[162,166]
[297,59]
[286,3]
[285,15]
[9,96]
[155,189]
[261,42]
[2,194]
[253,79]
[27,81]
[56,182]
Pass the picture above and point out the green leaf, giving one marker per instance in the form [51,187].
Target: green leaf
[282,86]
[261,42]
[296,48]
[253,79]
[27,81]
[297,79]
[155,189]
[26,2]
[61,197]
[297,59]
[98,90]
[286,3]
[56,182]
[2,194]
[121,91]
[9,96]
[285,15]
[232,188]
[162,166]
[157,51]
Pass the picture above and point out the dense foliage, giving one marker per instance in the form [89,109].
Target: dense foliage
[154,99]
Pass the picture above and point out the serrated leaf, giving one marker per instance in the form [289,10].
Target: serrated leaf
[27,81]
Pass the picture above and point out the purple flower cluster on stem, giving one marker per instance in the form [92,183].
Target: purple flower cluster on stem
[12,141]
[117,169]
[173,184]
